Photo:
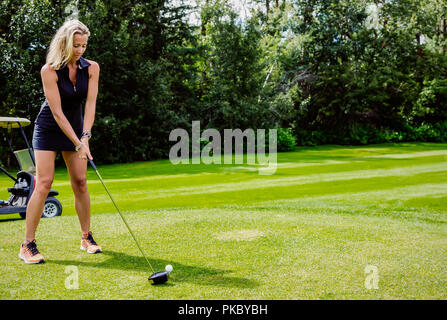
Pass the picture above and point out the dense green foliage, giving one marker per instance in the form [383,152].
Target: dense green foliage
[327,71]
[359,72]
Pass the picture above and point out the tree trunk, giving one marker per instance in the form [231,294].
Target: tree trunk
[203,34]
[444,32]
[420,49]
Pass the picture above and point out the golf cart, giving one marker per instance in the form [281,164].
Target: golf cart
[25,182]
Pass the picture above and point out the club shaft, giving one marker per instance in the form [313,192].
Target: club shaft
[7,173]
[122,217]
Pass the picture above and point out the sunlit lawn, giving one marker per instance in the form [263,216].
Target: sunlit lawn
[306,232]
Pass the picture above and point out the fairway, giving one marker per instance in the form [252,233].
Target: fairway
[308,231]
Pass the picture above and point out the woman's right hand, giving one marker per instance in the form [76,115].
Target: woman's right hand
[84,151]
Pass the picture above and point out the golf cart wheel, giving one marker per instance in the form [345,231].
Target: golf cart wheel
[52,208]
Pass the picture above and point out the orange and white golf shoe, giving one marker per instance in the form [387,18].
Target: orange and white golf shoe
[30,254]
[89,244]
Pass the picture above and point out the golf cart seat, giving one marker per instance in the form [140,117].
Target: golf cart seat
[28,170]
[25,161]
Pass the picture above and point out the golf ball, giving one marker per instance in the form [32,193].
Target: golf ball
[168,268]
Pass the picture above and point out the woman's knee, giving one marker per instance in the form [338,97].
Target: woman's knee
[79,184]
[43,184]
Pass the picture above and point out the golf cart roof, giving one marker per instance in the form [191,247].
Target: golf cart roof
[10,122]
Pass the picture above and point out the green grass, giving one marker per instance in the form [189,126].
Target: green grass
[306,232]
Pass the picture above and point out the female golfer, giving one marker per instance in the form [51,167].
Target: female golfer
[67,79]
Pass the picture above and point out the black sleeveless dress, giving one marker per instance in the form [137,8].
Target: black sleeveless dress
[47,134]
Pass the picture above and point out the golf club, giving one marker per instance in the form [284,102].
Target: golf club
[156,277]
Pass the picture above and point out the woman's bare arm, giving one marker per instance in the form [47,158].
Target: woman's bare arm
[90,104]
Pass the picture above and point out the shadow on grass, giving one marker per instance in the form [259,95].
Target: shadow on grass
[181,273]
[10,219]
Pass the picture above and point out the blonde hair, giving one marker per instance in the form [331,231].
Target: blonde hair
[60,51]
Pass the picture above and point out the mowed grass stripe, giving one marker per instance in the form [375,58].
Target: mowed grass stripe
[343,172]
[221,185]
[100,202]
[248,188]
[438,190]
[325,182]
[231,173]
[411,154]
[315,236]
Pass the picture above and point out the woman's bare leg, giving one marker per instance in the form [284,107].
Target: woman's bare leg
[44,179]
[77,169]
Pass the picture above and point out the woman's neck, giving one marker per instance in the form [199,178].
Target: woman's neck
[72,64]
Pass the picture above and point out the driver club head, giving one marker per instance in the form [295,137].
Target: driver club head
[159,277]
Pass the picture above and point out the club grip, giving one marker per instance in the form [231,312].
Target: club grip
[92,164]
